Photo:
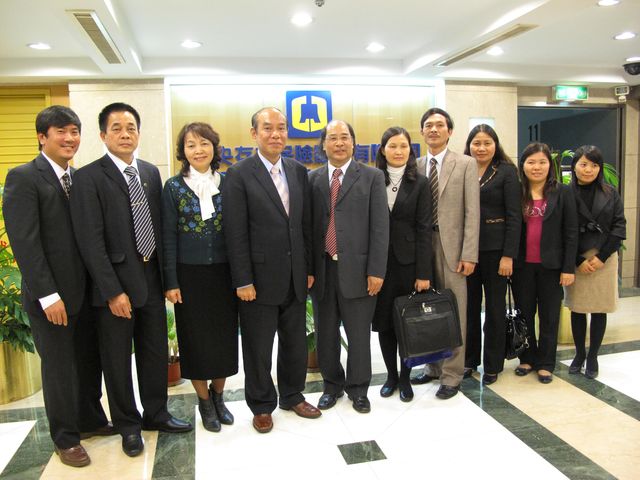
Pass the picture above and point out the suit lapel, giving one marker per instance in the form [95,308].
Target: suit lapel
[49,175]
[448,164]
[352,175]
[552,201]
[599,202]
[264,178]
[114,174]
[404,191]
[323,185]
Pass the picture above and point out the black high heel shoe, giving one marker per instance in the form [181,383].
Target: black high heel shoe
[576,365]
[388,388]
[591,370]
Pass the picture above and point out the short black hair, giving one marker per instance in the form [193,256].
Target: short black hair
[56,116]
[254,117]
[103,117]
[436,111]
[323,135]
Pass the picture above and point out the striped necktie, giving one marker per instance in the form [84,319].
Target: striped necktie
[66,184]
[281,187]
[331,240]
[433,182]
[142,224]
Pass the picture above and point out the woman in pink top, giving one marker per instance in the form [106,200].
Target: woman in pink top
[546,260]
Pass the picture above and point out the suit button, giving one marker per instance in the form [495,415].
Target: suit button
[289,253]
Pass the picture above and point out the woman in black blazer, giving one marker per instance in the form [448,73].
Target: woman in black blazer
[602,228]
[409,260]
[500,222]
[546,259]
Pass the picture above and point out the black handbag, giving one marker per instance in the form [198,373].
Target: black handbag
[517,340]
[427,324]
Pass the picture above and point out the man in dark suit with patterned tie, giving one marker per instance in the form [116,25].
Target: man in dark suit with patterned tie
[115,208]
[38,222]
[268,233]
[350,247]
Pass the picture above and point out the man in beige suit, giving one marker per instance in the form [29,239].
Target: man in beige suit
[456,230]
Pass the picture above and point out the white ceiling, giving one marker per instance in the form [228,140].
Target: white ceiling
[573,42]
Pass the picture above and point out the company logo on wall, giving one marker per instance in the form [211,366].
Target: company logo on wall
[308,112]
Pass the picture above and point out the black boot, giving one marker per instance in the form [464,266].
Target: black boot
[209,415]
[223,412]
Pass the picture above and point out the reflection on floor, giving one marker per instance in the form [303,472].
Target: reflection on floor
[517,428]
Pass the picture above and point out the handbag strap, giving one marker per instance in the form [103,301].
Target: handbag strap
[509,293]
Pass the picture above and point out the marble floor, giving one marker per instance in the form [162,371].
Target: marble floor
[517,428]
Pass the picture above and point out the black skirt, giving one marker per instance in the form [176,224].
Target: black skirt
[399,280]
[207,322]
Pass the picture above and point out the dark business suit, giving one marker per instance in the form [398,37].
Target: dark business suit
[536,285]
[270,249]
[500,222]
[101,213]
[340,289]
[38,222]
[409,255]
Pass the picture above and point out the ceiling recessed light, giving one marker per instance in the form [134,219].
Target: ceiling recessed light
[608,3]
[191,44]
[625,36]
[301,19]
[375,47]
[495,51]
[633,59]
[39,46]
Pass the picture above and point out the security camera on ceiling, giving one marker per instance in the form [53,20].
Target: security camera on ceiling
[632,68]
[319,3]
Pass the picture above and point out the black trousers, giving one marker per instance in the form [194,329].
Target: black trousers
[148,330]
[71,374]
[355,315]
[537,287]
[258,325]
[495,287]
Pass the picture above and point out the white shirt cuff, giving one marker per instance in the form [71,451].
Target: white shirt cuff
[46,302]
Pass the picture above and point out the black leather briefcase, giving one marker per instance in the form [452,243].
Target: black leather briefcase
[426,323]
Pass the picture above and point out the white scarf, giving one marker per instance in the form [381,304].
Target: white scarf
[205,186]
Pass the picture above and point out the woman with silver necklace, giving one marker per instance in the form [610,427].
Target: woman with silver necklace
[409,260]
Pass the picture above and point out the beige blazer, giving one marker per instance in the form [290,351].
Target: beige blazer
[458,207]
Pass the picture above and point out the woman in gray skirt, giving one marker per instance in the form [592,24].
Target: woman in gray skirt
[602,228]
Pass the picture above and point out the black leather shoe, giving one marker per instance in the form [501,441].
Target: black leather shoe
[361,404]
[406,392]
[172,425]
[387,389]
[545,378]
[488,379]
[132,444]
[422,379]
[208,414]
[445,392]
[591,370]
[576,365]
[225,416]
[467,372]
[328,400]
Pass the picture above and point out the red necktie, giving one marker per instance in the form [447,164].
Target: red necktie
[331,240]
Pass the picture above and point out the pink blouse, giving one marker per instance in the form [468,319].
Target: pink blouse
[534,216]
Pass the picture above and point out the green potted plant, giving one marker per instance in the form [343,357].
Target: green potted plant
[312,359]
[174,375]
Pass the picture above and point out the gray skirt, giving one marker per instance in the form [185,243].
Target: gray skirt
[596,292]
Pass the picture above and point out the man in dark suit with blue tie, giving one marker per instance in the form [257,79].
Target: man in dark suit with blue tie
[350,246]
[115,208]
[268,233]
[38,222]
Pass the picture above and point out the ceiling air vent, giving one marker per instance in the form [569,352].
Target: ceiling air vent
[516,30]
[91,24]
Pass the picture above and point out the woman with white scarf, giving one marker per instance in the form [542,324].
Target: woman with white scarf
[196,272]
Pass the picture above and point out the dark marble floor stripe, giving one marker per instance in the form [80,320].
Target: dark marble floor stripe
[606,394]
[34,453]
[549,446]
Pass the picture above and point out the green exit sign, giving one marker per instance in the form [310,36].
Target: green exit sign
[570,93]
